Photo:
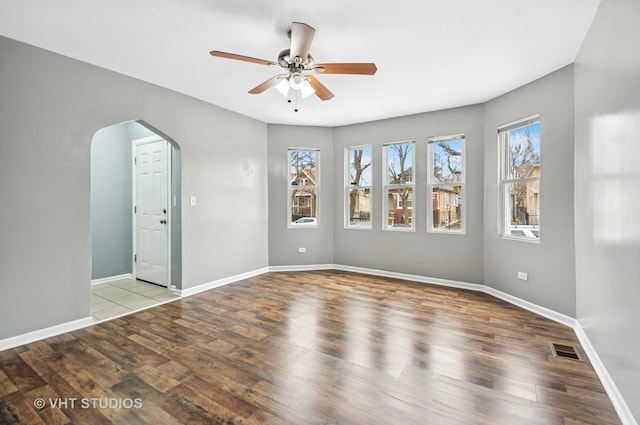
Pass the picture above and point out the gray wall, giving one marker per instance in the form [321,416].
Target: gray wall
[284,242]
[111,202]
[136,130]
[549,263]
[607,191]
[47,122]
[454,257]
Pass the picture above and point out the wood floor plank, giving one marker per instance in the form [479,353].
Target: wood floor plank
[102,369]
[20,375]
[6,386]
[50,415]
[17,409]
[60,390]
[322,347]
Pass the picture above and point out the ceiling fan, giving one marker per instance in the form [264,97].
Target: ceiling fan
[299,65]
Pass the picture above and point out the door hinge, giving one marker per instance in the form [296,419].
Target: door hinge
[135,209]
[135,160]
[135,258]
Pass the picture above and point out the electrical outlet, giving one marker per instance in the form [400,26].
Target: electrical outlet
[523,276]
[302,250]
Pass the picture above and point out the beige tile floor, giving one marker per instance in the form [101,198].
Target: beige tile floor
[123,296]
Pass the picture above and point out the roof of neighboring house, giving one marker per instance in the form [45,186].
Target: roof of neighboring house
[305,173]
[408,172]
[531,169]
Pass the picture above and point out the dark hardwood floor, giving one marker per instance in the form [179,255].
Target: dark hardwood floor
[324,347]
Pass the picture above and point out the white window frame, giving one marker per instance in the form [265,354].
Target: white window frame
[386,186]
[504,180]
[432,183]
[348,186]
[290,187]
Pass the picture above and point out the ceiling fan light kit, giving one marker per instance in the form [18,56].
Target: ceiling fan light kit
[298,83]
[283,87]
[306,89]
[297,80]
[296,61]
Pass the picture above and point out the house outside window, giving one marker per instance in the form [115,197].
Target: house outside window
[520,172]
[303,187]
[358,188]
[399,185]
[446,159]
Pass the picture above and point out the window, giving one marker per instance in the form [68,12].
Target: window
[358,187]
[520,179]
[399,185]
[303,187]
[447,184]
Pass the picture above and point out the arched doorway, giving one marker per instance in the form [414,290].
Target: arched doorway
[114,215]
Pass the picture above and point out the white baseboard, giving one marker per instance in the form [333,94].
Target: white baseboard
[221,282]
[626,417]
[542,311]
[29,337]
[110,279]
[412,277]
[301,268]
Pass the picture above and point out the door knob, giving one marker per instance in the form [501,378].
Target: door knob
[163,221]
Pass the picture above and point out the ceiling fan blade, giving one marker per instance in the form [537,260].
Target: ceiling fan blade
[267,84]
[346,68]
[241,58]
[301,38]
[321,91]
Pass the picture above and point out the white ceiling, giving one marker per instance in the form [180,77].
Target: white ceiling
[430,54]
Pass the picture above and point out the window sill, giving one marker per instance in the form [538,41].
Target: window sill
[520,239]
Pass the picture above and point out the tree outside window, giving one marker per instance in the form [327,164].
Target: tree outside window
[358,187]
[399,185]
[447,184]
[520,179]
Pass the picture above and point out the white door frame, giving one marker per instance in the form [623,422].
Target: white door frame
[134,189]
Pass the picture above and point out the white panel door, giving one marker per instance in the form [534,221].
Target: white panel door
[151,211]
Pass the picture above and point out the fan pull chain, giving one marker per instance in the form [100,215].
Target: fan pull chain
[295,99]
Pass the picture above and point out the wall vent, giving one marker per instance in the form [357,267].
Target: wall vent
[565,351]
